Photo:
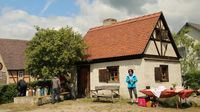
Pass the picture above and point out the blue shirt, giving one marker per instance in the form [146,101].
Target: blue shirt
[131,80]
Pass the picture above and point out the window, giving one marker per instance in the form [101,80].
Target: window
[20,73]
[161,73]
[110,74]
[2,75]
[161,34]
[1,66]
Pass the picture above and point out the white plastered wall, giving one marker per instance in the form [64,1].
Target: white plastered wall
[174,70]
[151,49]
[144,70]
[123,68]
[4,69]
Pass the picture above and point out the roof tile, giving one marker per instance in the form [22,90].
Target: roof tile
[123,38]
[13,53]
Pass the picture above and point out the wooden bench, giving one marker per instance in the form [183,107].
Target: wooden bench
[63,94]
[112,92]
[43,100]
[47,99]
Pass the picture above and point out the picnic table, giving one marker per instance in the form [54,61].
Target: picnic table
[108,92]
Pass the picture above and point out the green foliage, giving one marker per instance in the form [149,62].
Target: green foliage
[40,83]
[169,102]
[7,93]
[192,80]
[53,52]
[192,47]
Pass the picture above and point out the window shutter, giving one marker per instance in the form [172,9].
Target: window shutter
[165,72]
[157,74]
[104,75]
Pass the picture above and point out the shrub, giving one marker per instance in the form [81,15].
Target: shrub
[7,93]
[41,83]
[192,80]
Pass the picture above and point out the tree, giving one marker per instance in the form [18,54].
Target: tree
[192,80]
[53,52]
[192,49]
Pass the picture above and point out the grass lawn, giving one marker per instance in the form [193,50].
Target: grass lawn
[87,105]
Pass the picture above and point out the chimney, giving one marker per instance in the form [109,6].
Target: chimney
[109,21]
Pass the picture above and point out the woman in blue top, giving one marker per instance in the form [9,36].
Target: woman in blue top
[131,80]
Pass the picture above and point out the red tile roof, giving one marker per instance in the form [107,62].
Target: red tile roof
[124,38]
[13,53]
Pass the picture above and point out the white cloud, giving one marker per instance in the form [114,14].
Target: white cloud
[20,24]
[176,12]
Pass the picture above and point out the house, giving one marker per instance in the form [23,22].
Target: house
[144,44]
[12,58]
[193,31]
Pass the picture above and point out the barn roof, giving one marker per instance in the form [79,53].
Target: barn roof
[13,53]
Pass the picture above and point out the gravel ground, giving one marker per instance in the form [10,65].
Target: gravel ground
[87,105]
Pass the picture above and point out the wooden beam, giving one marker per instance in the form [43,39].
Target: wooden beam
[166,41]
[156,46]
[160,57]
[12,77]
[165,49]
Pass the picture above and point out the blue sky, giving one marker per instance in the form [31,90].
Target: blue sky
[18,17]
[37,7]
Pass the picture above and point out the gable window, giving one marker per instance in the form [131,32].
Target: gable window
[110,74]
[161,73]
[21,73]
[161,34]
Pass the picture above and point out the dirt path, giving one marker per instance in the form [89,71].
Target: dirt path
[86,105]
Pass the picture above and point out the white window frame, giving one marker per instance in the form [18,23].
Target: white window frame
[21,73]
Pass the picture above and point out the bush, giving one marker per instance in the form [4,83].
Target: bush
[7,93]
[192,80]
[41,83]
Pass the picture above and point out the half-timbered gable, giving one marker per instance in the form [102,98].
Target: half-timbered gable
[161,42]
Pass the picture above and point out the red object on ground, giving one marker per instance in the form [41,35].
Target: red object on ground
[185,93]
[142,101]
[164,94]
[169,93]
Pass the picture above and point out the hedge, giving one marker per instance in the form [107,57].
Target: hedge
[7,93]
[192,80]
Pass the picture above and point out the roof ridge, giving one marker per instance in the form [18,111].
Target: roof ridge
[139,18]
[193,23]
[13,39]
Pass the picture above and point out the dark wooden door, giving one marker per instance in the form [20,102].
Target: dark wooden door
[83,81]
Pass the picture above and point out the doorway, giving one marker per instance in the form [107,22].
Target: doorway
[83,81]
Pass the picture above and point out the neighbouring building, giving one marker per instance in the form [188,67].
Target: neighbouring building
[193,31]
[144,44]
[12,61]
